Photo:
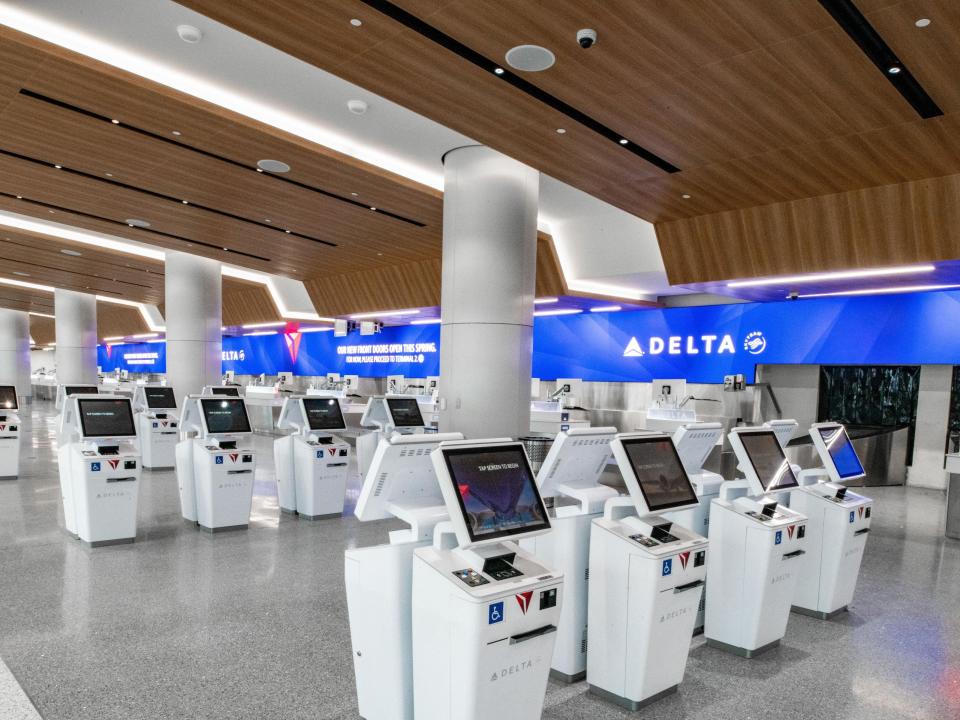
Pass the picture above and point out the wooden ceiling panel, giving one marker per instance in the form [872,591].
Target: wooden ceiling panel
[43,330]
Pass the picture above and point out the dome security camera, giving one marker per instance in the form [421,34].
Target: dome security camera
[586,38]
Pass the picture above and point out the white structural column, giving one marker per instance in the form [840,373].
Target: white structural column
[194,313]
[15,351]
[76,326]
[489,279]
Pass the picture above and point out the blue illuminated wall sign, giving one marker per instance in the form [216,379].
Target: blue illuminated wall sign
[701,344]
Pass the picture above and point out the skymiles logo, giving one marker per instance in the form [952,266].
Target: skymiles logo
[682,345]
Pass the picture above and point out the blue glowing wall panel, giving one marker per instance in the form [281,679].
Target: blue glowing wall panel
[135,357]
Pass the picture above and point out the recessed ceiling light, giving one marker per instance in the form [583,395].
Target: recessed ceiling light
[52,212]
[374,209]
[115,121]
[922,22]
[498,71]
[287,232]
[267,220]
[189,34]
[274,166]
[19,197]
[59,167]
[530,58]
[561,131]
[137,222]
[623,141]
[21,274]
[357,107]
[895,70]
[176,132]
[109,174]
[355,194]
[685,196]
[71,253]
[185,202]
[356,22]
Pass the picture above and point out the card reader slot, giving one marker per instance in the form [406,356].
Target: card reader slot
[239,472]
[123,479]
[864,531]
[689,586]
[794,554]
[336,465]
[533,634]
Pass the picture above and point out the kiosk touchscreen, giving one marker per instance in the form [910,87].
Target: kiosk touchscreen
[158,424]
[755,549]
[646,577]
[311,463]
[222,390]
[401,483]
[839,521]
[483,608]
[9,433]
[103,466]
[215,469]
[571,475]
[404,413]
[784,430]
[386,415]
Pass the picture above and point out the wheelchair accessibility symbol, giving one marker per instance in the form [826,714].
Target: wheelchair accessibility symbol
[495,613]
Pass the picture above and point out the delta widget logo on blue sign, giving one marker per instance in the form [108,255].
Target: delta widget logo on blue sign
[667,567]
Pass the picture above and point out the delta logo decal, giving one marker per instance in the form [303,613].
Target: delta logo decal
[332,451]
[2,428]
[293,344]
[114,463]
[790,531]
[109,349]
[859,509]
[523,600]
[633,349]
[234,456]
[684,559]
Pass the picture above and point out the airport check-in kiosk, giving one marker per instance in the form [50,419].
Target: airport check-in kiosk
[312,463]
[838,524]
[756,545]
[646,577]
[9,432]
[102,466]
[222,390]
[158,424]
[400,413]
[571,471]
[215,472]
[694,443]
[68,432]
[400,484]
[485,612]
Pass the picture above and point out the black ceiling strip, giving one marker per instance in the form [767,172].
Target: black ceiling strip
[470,55]
[215,156]
[124,267]
[74,272]
[161,196]
[849,17]
[187,240]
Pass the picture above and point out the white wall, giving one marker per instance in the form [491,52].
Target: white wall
[933,410]
[42,358]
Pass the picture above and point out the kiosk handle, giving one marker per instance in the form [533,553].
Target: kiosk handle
[689,586]
[533,634]
[794,554]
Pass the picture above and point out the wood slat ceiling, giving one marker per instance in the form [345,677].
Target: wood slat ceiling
[759,103]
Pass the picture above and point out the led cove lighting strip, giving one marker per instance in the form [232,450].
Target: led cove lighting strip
[385,313]
[545,301]
[253,326]
[841,275]
[427,321]
[570,311]
[882,291]
[606,308]
[261,332]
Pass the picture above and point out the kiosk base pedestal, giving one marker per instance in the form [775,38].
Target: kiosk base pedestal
[567,678]
[327,516]
[105,543]
[632,705]
[817,614]
[742,652]
[224,528]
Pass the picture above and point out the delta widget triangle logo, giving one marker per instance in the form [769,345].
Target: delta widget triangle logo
[293,344]
[633,349]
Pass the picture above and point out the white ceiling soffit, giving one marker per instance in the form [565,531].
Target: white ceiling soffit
[242,74]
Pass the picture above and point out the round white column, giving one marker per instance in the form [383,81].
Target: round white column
[489,280]
[76,327]
[15,351]
[193,313]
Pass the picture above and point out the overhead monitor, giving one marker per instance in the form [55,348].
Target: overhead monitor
[81,390]
[402,474]
[160,398]
[836,449]
[762,460]
[404,412]
[494,493]
[653,473]
[324,413]
[225,391]
[106,418]
[577,458]
[8,397]
[225,416]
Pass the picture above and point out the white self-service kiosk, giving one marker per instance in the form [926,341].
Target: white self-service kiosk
[694,443]
[485,612]
[9,433]
[386,415]
[67,432]
[215,472]
[571,472]
[102,466]
[400,484]
[312,463]
[221,390]
[646,577]
[838,524]
[158,425]
[755,549]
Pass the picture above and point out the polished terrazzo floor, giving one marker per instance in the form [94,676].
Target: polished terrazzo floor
[254,624]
